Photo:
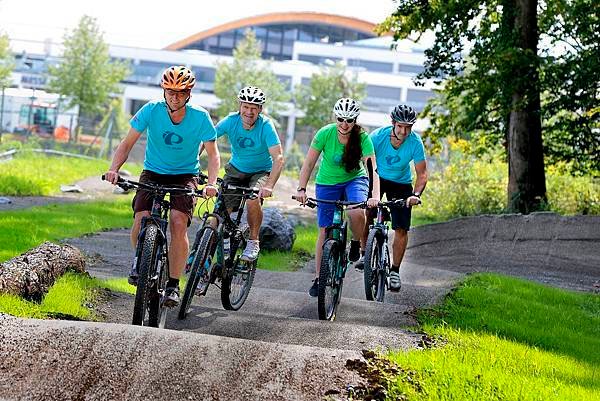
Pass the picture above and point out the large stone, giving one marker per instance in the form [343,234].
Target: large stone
[276,231]
[31,274]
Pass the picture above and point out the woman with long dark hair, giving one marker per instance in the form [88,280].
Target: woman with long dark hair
[344,145]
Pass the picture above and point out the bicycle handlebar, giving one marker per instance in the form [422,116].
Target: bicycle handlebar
[128,184]
[312,203]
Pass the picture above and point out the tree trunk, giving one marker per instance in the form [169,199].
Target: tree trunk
[31,274]
[526,178]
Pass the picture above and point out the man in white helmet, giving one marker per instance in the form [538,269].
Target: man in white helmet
[256,158]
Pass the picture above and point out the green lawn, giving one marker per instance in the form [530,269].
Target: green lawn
[506,339]
[70,297]
[21,230]
[34,174]
[302,251]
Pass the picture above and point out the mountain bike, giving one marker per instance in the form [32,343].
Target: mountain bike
[377,253]
[152,254]
[334,260]
[227,237]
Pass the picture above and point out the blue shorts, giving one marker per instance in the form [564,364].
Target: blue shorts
[355,190]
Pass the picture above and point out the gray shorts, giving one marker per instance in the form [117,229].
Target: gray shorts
[236,177]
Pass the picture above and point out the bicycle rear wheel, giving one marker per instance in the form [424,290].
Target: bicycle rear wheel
[198,277]
[329,287]
[238,279]
[374,272]
[145,295]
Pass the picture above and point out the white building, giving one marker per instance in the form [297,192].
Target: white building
[298,43]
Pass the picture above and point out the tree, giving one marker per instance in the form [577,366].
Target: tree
[247,68]
[6,61]
[325,88]
[488,49]
[570,81]
[86,77]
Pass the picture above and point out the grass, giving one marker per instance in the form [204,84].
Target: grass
[303,250]
[71,297]
[506,339]
[21,230]
[32,174]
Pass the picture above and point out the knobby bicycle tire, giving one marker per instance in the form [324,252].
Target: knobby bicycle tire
[374,273]
[203,250]
[327,305]
[237,281]
[146,266]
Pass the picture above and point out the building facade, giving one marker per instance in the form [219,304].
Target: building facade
[298,44]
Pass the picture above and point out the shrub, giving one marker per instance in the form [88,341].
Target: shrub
[471,186]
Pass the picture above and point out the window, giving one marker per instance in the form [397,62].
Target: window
[418,98]
[383,92]
[318,59]
[381,98]
[286,81]
[409,69]
[376,66]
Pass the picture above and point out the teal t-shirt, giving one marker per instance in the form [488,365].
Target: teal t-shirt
[249,149]
[394,164]
[331,170]
[173,148]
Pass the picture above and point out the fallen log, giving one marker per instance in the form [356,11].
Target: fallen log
[31,274]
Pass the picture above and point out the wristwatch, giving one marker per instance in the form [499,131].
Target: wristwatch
[300,189]
[417,194]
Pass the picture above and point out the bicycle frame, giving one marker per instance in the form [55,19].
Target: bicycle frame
[225,223]
[338,231]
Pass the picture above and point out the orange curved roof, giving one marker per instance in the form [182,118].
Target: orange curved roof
[298,17]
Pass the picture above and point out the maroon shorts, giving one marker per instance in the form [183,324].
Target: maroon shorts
[142,200]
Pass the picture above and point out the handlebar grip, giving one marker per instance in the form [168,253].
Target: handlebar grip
[120,179]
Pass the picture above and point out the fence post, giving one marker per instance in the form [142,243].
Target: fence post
[2,115]
[71,128]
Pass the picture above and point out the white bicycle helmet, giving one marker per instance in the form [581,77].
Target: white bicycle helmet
[252,94]
[346,108]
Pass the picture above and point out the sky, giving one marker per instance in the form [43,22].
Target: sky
[156,24]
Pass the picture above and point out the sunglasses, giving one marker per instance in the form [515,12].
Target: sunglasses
[177,93]
[348,120]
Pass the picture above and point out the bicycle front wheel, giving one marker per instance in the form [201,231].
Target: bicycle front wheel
[329,284]
[198,278]
[146,292]
[237,280]
[374,271]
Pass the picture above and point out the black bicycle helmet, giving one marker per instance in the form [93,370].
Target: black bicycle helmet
[404,114]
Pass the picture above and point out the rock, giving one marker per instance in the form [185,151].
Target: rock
[31,274]
[276,231]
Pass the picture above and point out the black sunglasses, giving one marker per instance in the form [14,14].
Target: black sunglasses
[348,120]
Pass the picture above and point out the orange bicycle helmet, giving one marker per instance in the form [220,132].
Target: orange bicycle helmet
[178,77]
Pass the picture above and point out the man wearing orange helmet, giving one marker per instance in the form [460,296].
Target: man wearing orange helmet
[174,131]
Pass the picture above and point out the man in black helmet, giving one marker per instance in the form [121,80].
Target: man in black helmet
[395,147]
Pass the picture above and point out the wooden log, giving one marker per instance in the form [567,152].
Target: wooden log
[31,274]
